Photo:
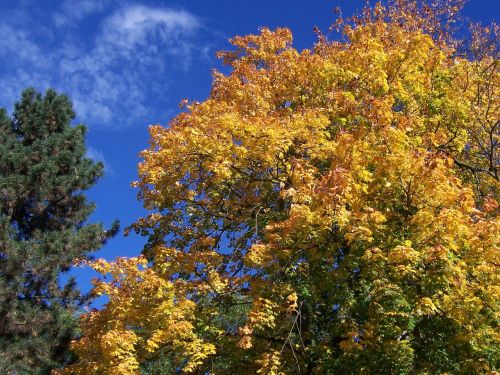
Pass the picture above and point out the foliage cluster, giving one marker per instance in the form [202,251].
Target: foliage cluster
[332,210]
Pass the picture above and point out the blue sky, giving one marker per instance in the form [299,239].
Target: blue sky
[128,64]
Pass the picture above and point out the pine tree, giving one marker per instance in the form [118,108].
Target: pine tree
[43,172]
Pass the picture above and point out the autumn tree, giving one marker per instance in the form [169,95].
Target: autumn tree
[43,173]
[332,210]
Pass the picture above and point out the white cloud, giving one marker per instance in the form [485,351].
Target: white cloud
[98,156]
[72,11]
[18,43]
[150,30]
[137,18]
[133,42]
[110,77]
[16,47]
[95,155]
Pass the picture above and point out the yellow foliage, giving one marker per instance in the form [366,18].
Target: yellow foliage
[349,192]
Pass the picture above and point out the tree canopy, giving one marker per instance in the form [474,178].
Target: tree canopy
[331,210]
[43,173]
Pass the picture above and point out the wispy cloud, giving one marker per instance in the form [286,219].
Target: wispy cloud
[112,76]
[72,11]
[98,156]
[136,19]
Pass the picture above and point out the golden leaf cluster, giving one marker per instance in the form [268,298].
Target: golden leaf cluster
[331,209]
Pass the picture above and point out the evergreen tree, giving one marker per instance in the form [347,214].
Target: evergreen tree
[43,172]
